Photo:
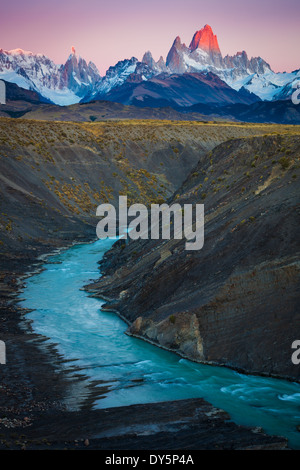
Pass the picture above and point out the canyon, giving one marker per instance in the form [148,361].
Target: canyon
[53,176]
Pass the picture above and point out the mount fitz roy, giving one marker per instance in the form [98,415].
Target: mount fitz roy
[192,74]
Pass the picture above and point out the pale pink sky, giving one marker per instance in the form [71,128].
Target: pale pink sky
[107,31]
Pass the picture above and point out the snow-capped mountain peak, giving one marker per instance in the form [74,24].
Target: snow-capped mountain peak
[238,71]
[76,79]
[61,84]
[206,40]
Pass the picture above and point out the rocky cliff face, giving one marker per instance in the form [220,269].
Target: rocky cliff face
[78,76]
[203,54]
[175,58]
[158,67]
[235,301]
[206,40]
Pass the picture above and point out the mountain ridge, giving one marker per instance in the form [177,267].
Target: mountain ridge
[77,80]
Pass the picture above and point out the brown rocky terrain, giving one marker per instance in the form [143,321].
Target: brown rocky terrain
[182,424]
[53,175]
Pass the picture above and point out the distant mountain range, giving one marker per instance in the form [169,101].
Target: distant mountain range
[192,74]
[29,104]
[60,84]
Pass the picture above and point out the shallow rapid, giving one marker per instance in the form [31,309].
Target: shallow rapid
[132,371]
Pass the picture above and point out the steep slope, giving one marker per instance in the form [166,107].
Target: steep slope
[235,301]
[178,90]
[78,76]
[203,53]
[238,71]
[206,40]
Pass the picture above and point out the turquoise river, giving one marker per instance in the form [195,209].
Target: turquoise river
[133,371]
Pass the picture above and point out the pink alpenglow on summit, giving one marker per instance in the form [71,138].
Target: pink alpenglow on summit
[206,40]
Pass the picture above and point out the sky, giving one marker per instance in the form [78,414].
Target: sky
[105,31]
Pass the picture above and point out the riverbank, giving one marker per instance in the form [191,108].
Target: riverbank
[53,175]
[234,302]
[36,382]
[184,424]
